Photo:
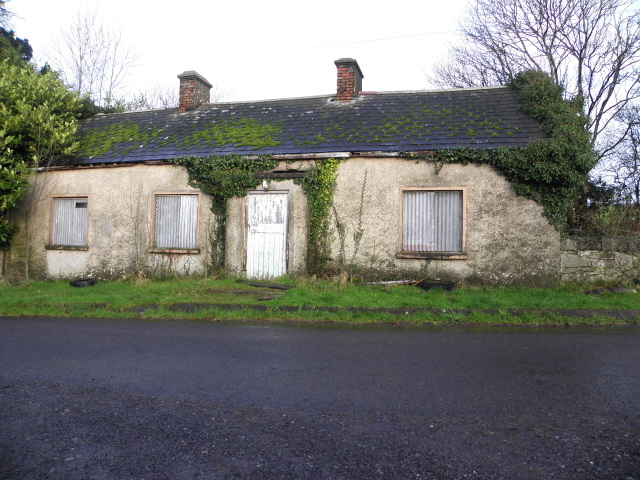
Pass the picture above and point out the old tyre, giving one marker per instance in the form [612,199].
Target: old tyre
[83,282]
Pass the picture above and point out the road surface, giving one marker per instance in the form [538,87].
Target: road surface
[111,399]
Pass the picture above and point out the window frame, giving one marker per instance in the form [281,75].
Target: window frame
[437,255]
[154,209]
[52,223]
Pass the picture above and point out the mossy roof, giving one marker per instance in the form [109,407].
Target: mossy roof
[376,122]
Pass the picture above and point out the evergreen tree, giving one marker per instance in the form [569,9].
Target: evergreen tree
[37,123]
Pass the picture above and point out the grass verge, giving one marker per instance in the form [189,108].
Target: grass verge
[395,304]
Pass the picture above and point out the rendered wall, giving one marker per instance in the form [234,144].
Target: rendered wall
[121,212]
[508,240]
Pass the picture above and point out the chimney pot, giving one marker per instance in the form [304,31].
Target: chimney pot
[349,79]
[194,91]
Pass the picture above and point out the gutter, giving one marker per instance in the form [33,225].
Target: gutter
[284,157]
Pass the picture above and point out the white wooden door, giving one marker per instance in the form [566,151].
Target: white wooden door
[266,235]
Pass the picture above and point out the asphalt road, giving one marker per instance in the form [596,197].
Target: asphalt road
[114,399]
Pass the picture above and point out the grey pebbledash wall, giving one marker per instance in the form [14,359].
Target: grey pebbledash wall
[600,259]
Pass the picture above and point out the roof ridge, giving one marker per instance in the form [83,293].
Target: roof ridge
[439,90]
[390,92]
[236,102]
[311,97]
[146,110]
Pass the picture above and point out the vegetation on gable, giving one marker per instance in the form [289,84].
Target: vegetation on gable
[550,171]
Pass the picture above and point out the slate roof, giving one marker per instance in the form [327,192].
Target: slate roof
[374,122]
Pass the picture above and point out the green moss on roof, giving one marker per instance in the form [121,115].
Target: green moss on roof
[418,122]
[117,138]
[241,132]
[311,124]
[123,137]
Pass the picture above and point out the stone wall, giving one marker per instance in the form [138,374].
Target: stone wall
[600,260]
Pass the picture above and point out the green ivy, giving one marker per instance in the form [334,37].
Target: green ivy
[223,177]
[319,186]
[227,176]
[550,171]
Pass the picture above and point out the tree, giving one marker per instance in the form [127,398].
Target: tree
[5,14]
[623,168]
[13,48]
[592,47]
[93,58]
[37,123]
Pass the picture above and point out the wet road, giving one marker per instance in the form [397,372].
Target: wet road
[363,402]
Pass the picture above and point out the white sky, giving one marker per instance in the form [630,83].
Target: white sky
[257,49]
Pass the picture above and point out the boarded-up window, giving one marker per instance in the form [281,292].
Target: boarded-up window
[432,221]
[176,221]
[69,221]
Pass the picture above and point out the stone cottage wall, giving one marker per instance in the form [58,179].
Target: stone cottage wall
[600,260]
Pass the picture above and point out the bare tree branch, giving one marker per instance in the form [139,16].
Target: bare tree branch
[623,167]
[591,47]
[5,15]
[93,58]
[166,96]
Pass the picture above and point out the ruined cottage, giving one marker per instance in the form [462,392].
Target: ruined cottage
[125,203]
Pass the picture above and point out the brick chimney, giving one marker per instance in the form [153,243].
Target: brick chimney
[349,79]
[194,91]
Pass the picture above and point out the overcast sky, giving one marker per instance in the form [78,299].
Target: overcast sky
[263,49]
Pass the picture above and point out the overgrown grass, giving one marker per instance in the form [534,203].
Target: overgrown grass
[120,299]
[400,296]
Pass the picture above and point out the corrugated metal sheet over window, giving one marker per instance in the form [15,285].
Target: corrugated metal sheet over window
[69,221]
[432,221]
[176,221]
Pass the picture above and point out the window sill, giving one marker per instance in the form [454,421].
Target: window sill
[75,248]
[433,255]
[180,251]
